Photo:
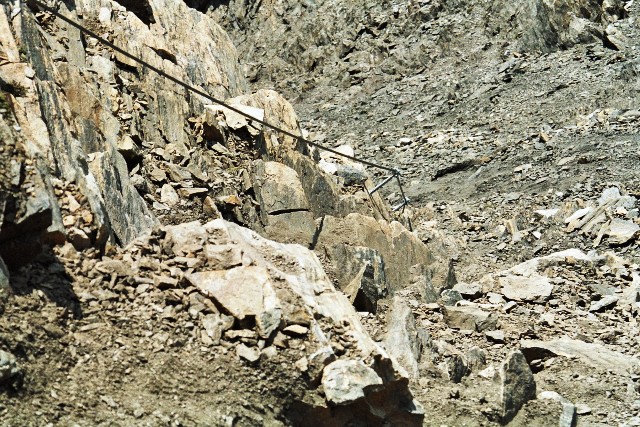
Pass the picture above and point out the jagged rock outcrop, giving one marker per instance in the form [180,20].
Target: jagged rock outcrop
[263,291]
[546,26]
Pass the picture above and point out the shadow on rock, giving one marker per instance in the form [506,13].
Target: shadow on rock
[47,274]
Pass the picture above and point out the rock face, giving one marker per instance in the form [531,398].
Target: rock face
[550,25]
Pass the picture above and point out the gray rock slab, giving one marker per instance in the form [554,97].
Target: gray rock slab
[592,354]
[402,341]
[518,385]
[128,213]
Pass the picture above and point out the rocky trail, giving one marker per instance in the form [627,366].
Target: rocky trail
[169,262]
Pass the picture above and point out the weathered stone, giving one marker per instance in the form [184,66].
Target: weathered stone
[129,150]
[187,238]
[8,366]
[278,112]
[113,266]
[402,337]
[243,292]
[450,297]
[128,214]
[209,207]
[495,336]
[223,257]
[78,238]
[250,354]
[169,196]
[607,301]
[398,247]
[284,206]
[520,288]
[457,368]
[346,381]
[233,119]
[4,279]
[360,274]
[296,330]
[317,362]
[547,26]
[621,231]
[469,318]
[568,412]
[518,385]
[468,290]
[300,277]
[592,354]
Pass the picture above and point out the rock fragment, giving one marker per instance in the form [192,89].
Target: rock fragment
[469,318]
[592,354]
[518,385]
[8,366]
[250,354]
[346,381]
[402,337]
[521,288]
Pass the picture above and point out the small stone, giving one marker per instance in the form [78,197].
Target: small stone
[296,330]
[565,160]
[496,336]
[157,175]
[621,231]
[302,364]
[488,373]
[468,290]
[546,213]
[231,200]
[69,220]
[250,354]
[469,318]
[72,204]
[8,366]
[209,207]
[450,297]
[78,239]
[169,196]
[104,16]
[509,306]
[580,213]
[270,352]
[607,301]
[246,334]
[547,319]
[495,298]
[189,192]
[520,288]
[582,409]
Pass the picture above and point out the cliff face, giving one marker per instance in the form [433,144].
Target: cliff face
[108,173]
